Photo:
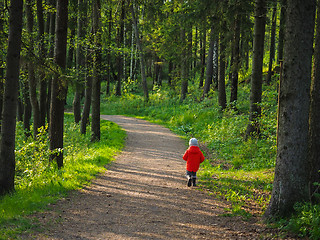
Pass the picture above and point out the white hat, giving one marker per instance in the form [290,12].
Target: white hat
[193,142]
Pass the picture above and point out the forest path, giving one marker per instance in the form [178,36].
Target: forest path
[143,195]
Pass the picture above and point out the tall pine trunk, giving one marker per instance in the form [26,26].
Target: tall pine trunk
[96,79]
[58,87]
[82,13]
[314,126]
[7,142]
[43,81]
[283,4]
[222,98]
[235,61]
[141,55]
[292,171]
[209,69]
[272,42]
[31,73]
[120,33]
[253,127]
[183,61]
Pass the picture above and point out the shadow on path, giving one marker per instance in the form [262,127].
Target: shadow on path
[143,195]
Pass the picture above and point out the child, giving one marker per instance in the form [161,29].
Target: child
[194,157]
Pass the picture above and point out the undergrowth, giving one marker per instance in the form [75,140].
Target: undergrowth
[39,182]
[236,170]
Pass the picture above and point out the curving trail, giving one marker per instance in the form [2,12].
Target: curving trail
[143,195]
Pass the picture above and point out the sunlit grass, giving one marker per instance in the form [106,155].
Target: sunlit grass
[36,188]
[237,170]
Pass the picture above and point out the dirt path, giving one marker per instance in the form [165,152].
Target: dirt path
[143,195]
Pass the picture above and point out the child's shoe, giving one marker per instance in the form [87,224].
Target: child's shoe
[189,182]
[194,182]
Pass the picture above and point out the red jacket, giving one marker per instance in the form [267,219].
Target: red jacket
[194,157]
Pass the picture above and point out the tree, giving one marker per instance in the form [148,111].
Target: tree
[7,142]
[209,70]
[222,99]
[183,65]
[120,33]
[141,55]
[283,4]
[292,171]
[96,78]
[257,62]
[314,127]
[235,60]
[272,42]
[58,87]
[31,71]
[80,63]
[43,96]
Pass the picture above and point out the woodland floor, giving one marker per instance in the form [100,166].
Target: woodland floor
[143,195]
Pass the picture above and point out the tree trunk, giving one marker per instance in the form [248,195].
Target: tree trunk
[87,102]
[257,62]
[203,56]
[58,87]
[7,142]
[184,79]
[43,81]
[26,110]
[119,44]
[314,126]
[141,55]
[281,29]
[209,70]
[52,28]
[96,84]
[31,74]
[82,13]
[272,42]
[222,98]
[235,62]
[109,53]
[291,182]
[2,45]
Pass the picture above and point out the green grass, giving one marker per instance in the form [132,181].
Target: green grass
[39,182]
[237,170]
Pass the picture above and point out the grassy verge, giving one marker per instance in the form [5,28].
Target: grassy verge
[236,170]
[39,182]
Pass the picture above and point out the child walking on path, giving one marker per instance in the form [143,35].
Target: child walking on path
[193,156]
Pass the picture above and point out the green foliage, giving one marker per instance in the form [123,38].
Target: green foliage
[306,222]
[237,170]
[39,182]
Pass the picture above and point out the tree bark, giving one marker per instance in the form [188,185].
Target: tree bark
[292,171]
[141,55]
[43,81]
[281,29]
[82,13]
[209,69]
[235,61]
[31,73]
[184,79]
[314,127]
[222,98]
[7,142]
[2,45]
[96,85]
[203,56]
[272,42]
[119,44]
[257,62]
[58,87]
